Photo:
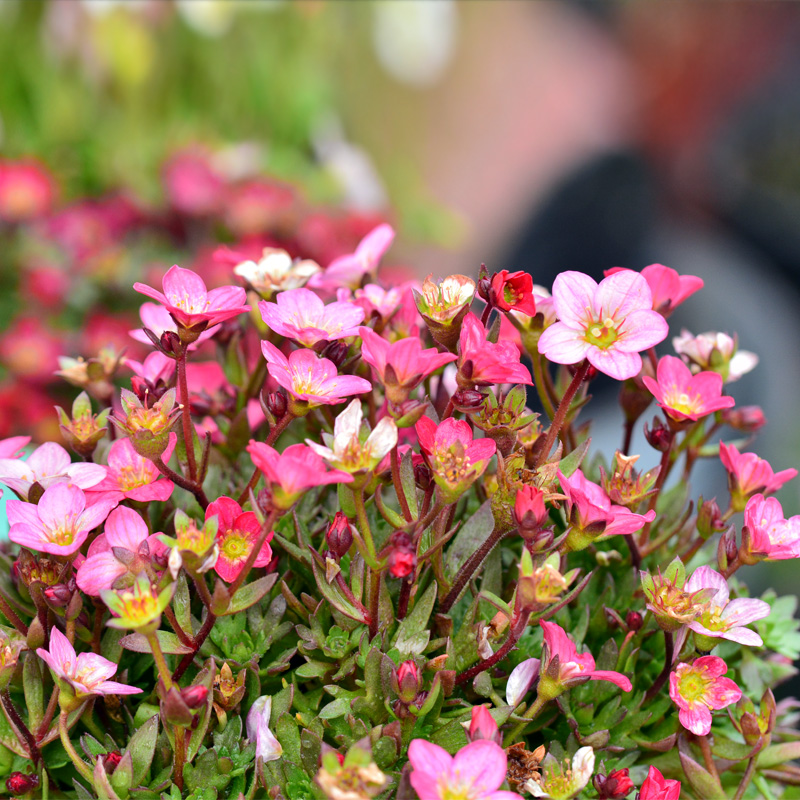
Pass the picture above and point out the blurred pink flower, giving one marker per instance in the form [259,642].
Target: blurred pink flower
[698,688]
[607,323]
[61,521]
[194,187]
[482,362]
[348,270]
[308,377]
[668,287]
[189,302]
[749,474]
[13,447]
[770,535]
[29,349]
[27,190]
[683,395]
[87,673]
[300,314]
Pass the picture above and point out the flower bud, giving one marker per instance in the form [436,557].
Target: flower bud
[174,710]
[466,400]
[613,786]
[727,549]
[339,535]
[403,557]
[407,681]
[18,783]
[530,511]
[57,596]
[422,476]
[659,437]
[83,430]
[111,760]
[709,519]
[194,696]
[336,352]
[170,343]
[483,726]
[633,619]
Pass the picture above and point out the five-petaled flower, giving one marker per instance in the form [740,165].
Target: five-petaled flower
[668,287]
[191,305]
[61,521]
[767,534]
[684,396]
[482,363]
[476,772]
[237,534]
[276,271]
[715,351]
[608,323]
[749,474]
[698,688]
[299,314]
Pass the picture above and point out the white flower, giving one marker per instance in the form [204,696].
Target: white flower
[520,680]
[563,781]
[276,271]
[268,747]
[717,352]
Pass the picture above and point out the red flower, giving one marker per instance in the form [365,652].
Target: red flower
[657,787]
[514,290]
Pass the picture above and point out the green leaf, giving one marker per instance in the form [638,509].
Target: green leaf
[250,594]
[142,747]
[34,690]
[335,597]
[287,732]
[182,603]
[408,483]
[472,535]
[571,462]
[204,678]
[338,708]
[169,643]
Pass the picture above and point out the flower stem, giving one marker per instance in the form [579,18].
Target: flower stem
[538,704]
[669,649]
[274,432]
[363,524]
[561,412]
[516,631]
[398,485]
[79,763]
[161,662]
[541,386]
[186,417]
[375,577]
[466,572]
[11,616]
[189,485]
[746,778]
[22,728]
[176,626]
[707,757]
[403,599]
[202,635]
[180,756]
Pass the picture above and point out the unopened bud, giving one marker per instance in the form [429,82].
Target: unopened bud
[633,619]
[483,726]
[276,404]
[727,549]
[336,352]
[403,557]
[170,343]
[709,519]
[468,400]
[659,436]
[422,476]
[615,785]
[407,681]
[339,535]
[111,760]
[18,783]
[194,696]
[747,419]
[57,595]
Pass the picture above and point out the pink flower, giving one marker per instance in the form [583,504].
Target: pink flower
[668,287]
[593,516]
[456,459]
[299,314]
[348,270]
[572,667]
[48,465]
[657,787]
[375,299]
[401,366]
[699,687]
[483,726]
[61,521]
[13,447]
[476,772]
[189,302]
[522,677]
[723,618]
[157,319]
[87,673]
[716,351]
[767,534]
[123,549]
[293,472]
[749,474]
[237,533]
[27,190]
[155,367]
[482,362]
[609,324]
[683,395]
[131,477]
[310,378]
[193,185]
[514,290]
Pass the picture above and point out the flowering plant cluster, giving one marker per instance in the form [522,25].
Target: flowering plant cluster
[360,565]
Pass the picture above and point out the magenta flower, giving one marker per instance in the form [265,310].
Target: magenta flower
[189,302]
[657,787]
[698,688]
[456,459]
[724,618]
[155,367]
[87,673]
[749,474]
[61,521]
[48,465]
[123,549]
[668,287]
[574,668]
[482,363]
[237,533]
[292,473]
[349,270]
[683,395]
[300,314]
[129,476]
[402,365]
[13,447]
[476,772]
[157,319]
[310,378]
[609,324]
[767,534]
[593,516]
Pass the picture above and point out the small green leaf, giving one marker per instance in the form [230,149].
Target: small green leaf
[251,593]
[472,535]
[169,643]
[142,747]
[409,485]
[571,462]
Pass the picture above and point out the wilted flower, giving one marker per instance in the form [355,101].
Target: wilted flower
[717,352]
[300,315]
[698,688]
[276,271]
[626,486]
[138,608]
[561,781]
[83,430]
[354,777]
[12,643]
[543,584]
[767,534]
[609,324]
[514,291]
[482,363]
[657,787]
[748,474]
[61,521]
[268,748]
[229,691]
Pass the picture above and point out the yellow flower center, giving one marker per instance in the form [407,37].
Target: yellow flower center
[235,546]
[602,334]
[132,477]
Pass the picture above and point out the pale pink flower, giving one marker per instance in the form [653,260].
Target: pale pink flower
[482,363]
[87,673]
[698,688]
[749,474]
[683,395]
[237,533]
[668,287]
[311,378]
[455,458]
[123,549]
[268,748]
[300,314]
[521,679]
[574,668]
[476,772]
[770,536]
[657,787]
[129,476]
[715,351]
[276,271]
[189,302]
[608,323]
[13,447]
[155,367]
[402,365]
[348,270]
[48,465]
[724,618]
[61,521]
[157,319]
[291,473]
[375,299]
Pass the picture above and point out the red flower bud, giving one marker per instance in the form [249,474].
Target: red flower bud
[634,620]
[194,696]
[20,783]
[530,511]
[336,352]
[407,681]
[468,400]
[111,760]
[339,535]
[403,557]
[660,436]
[613,786]
[483,726]
[709,519]
[276,404]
